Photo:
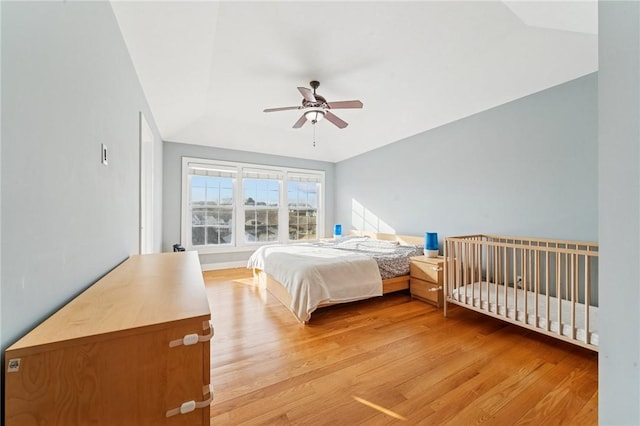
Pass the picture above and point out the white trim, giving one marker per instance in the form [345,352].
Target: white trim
[146,186]
[223,265]
[229,248]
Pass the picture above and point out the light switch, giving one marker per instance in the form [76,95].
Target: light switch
[104,154]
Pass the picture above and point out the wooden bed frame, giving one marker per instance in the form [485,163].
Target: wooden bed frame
[390,285]
[542,284]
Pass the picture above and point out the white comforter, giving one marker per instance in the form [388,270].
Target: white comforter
[317,276]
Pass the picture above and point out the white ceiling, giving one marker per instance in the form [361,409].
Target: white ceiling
[209,68]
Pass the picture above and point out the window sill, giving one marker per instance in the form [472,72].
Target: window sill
[246,249]
[220,250]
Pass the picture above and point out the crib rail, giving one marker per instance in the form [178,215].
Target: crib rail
[546,285]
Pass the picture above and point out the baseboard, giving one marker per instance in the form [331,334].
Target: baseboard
[223,265]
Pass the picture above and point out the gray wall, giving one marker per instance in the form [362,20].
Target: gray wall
[619,188]
[173,153]
[1,341]
[68,85]
[526,168]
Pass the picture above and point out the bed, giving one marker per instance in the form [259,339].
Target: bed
[549,286]
[308,276]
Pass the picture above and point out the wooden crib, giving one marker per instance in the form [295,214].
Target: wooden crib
[549,286]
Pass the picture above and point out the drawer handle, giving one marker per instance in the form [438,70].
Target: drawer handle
[437,268]
[192,339]
[435,289]
[190,406]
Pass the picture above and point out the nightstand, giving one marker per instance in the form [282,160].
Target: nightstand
[427,279]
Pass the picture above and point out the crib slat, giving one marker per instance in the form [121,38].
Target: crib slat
[469,274]
[515,286]
[566,276]
[573,296]
[547,290]
[504,283]
[500,277]
[456,262]
[495,269]
[536,278]
[587,298]
[559,291]
[488,271]
[446,275]
[479,256]
[525,271]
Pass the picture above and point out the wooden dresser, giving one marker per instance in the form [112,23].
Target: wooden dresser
[427,279]
[133,349]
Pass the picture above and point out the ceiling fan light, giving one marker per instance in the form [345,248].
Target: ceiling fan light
[314,115]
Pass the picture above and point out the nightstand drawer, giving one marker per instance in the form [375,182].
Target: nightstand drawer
[432,272]
[426,291]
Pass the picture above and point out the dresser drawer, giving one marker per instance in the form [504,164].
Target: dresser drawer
[432,272]
[426,291]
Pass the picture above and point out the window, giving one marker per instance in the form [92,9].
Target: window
[303,197]
[261,204]
[235,206]
[211,203]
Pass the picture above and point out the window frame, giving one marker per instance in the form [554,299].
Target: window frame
[239,243]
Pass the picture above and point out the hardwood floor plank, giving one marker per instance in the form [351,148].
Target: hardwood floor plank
[566,399]
[387,360]
[589,413]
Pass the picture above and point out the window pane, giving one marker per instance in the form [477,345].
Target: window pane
[226,196]
[198,185]
[261,224]
[218,235]
[211,205]
[197,235]
[198,215]
[261,200]
[303,210]
[261,192]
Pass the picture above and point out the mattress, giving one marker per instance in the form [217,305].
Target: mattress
[482,295]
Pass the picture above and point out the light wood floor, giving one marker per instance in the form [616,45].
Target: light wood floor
[388,360]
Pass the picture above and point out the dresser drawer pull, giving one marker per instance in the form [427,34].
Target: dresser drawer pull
[192,339]
[437,268]
[190,406]
[435,289]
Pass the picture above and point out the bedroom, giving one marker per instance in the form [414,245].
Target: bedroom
[67,251]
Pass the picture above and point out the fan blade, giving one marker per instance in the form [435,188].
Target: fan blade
[281,109]
[335,120]
[307,94]
[345,104]
[300,122]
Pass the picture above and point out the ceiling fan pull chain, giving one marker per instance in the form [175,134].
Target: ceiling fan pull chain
[314,135]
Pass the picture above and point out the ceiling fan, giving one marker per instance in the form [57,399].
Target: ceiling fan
[315,107]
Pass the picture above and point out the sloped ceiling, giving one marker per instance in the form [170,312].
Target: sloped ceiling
[210,68]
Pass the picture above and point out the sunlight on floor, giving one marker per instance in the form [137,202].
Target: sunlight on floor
[379,408]
[258,289]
